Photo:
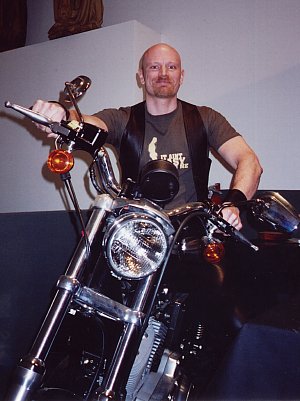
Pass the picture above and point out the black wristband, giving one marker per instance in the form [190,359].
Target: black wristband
[235,196]
[63,106]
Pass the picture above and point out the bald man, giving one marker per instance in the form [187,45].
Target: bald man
[173,130]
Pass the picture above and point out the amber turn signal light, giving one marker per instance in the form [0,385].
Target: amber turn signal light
[60,161]
[213,252]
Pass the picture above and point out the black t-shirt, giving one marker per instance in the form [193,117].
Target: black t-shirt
[165,139]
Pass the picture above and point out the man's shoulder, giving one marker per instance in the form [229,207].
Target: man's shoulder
[206,112]
[114,111]
[138,106]
[201,108]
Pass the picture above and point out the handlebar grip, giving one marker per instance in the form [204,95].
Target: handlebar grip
[34,116]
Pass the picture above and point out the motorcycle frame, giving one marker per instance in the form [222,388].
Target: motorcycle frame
[31,369]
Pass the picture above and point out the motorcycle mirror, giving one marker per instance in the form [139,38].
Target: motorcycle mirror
[273,210]
[77,87]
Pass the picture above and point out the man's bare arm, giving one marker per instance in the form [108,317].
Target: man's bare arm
[244,161]
[246,177]
[89,119]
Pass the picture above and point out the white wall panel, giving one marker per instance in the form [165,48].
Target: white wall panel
[241,57]
[110,57]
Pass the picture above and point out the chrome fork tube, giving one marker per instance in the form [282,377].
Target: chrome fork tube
[114,378]
[31,369]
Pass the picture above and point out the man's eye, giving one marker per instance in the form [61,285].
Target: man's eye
[172,67]
[153,67]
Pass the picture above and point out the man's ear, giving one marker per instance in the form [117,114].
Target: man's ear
[141,76]
[182,76]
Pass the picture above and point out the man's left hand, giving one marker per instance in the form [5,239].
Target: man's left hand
[232,215]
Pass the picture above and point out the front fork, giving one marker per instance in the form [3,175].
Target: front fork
[112,386]
[29,373]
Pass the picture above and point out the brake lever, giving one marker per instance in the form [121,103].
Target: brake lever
[228,229]
[60,129]
[33,115]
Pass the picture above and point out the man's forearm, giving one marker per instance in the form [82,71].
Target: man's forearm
[247,176]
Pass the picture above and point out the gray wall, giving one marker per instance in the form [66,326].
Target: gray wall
[40,71]
[241,57]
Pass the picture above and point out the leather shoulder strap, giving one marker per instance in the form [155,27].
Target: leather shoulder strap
[198,148]
[132,142]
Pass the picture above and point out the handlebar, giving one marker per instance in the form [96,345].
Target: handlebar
[77,135]
[210,212]
[87,137]
[230,230]
[34,116]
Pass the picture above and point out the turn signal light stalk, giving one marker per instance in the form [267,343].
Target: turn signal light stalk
[60,161]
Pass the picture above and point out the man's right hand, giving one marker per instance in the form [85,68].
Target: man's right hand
[54,111]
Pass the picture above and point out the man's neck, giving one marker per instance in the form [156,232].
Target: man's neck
[158,106]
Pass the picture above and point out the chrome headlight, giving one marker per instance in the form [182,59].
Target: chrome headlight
[135,245]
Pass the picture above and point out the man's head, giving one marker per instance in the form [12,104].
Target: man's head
[160,71]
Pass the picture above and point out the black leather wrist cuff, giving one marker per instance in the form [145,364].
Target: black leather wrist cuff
[63,106]
[235,196]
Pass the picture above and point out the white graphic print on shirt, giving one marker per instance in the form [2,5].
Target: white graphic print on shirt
[176,158]
[152,149]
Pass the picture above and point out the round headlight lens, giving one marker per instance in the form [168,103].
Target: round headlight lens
[135,246]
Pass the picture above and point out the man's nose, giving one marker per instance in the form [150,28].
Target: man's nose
[163,70]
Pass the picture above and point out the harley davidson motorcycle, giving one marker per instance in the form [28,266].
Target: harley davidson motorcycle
[116,328]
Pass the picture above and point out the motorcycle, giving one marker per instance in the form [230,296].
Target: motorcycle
[116,328]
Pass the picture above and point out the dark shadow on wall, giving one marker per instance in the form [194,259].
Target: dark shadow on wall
[36,248]
[13,24]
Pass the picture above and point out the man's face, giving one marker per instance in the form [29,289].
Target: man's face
[161,72]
